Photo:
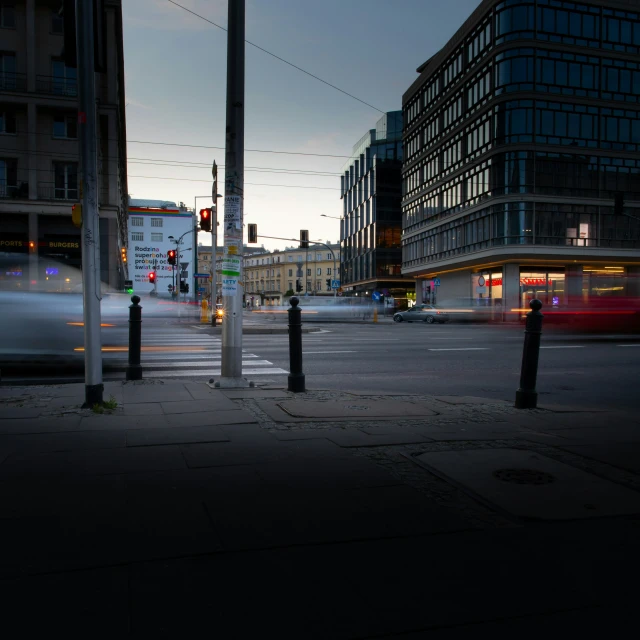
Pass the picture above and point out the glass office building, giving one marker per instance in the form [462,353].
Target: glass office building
[371,223]
[521,175]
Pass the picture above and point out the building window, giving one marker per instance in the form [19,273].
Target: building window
[64,79]
[328,271]
[137,222]
[137,236]
[156,222]
[290,273]
[156,237]
[319,271]
[290,286]
[7,122]
[65,180]
[65,127]
[7,71]
[290,258]
[8,176]
[7,16]
[57,23]
[308,272]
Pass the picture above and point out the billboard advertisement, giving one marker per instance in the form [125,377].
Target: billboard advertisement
[152,234]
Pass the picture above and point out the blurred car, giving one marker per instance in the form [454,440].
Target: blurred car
[428,313]
[471,309]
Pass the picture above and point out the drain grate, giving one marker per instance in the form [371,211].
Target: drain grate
[524,476]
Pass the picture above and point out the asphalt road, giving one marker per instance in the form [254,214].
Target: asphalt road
[451,359]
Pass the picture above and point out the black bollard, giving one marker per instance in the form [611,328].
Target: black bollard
[526,395]
[296,377]
[134,369]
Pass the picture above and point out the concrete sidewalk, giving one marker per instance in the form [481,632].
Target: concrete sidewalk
[317,515]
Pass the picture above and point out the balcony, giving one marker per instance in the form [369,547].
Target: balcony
[14,191]
[57,86]
[10,81]
[48,191]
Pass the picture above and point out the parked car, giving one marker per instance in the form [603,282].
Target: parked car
[429,313]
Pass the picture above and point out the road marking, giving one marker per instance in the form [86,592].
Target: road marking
[308,352]
[190,363]
[628,345]
[566,346]
[372,339]
[462,349]
[211,372]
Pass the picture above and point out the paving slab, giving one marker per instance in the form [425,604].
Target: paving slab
[213,417]
[470,400]
[120,422]
[223,454]
[141,392]
[174,435]
[357,438]
[531,486]
[283,516]
[219,403]
[622,455]
[50,424]
[18,413]
[93,462]
[256,392]
[69,441]
[96,594]
[356,409]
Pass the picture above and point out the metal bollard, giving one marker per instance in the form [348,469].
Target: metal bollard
[526,395]
[296,377]
[134,369]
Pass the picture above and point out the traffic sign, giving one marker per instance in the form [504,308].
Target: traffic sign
[335,284]
[376,295]
[202,275]
[436,282]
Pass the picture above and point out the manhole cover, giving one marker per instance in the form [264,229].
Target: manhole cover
[523,476]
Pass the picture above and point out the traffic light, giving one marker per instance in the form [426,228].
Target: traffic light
[76,215]
[618,203]
[32,246]
[152,277]
[205,219]
[184,287]
[328,282]
[252,230]
[298,286]
[123,253]
[304,239]
[171,256]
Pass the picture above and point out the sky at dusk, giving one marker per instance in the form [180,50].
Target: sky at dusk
[175,65]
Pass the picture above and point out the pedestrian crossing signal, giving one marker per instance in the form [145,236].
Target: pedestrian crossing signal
[171,257]
[252,231]
[205,219]
[152,277]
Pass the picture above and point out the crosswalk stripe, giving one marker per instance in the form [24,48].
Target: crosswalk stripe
[212,372]
[213,363]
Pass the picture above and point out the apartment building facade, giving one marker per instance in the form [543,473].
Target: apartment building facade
[272,276]
[521,175]
[39,152]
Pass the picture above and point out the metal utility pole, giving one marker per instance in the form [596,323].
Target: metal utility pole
[232,279]
[214,242]
[94,387]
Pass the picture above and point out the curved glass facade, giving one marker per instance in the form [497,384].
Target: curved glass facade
[513,111]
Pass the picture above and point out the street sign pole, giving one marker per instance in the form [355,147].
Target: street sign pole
[214,242]
[231,272]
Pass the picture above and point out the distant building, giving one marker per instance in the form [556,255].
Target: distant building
[271,276]
[371,225]
[519,135]
[39,172]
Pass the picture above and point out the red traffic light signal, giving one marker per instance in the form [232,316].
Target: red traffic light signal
[171,257]
[152,277]
[205,219]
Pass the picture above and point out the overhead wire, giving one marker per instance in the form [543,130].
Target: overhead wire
[333,86]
